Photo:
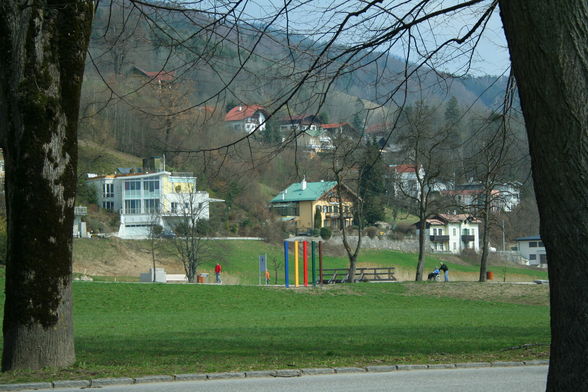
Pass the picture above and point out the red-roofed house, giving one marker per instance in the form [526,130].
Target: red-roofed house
[343,128]
[453,233]
[405,179]
[160,77]
[247,118]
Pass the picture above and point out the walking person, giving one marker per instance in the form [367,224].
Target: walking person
[267,277]
[217,271]
[445,271]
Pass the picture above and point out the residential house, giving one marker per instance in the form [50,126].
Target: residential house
[532,249]
[247,118]
[405,180]
[160,77]
[146,198]
[301,201]
[298,123]
[453,233]
[316,140]
[503,197]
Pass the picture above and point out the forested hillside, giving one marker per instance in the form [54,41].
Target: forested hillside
[157,84]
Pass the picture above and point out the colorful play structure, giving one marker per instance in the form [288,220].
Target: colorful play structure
[313,246]
[332,275]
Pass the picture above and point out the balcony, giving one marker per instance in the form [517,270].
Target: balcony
[439,238]
[467,238]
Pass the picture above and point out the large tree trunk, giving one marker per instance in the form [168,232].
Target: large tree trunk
[548,42]
[43,48]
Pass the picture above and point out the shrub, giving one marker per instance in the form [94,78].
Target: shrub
[325,233]
[372,232]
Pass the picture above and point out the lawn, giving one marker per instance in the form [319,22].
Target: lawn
[240,259]
[131,329]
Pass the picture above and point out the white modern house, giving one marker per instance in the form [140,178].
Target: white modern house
[147,199]
[453,233]
[405,179]
[532,249]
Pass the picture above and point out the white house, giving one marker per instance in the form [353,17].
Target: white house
[453,233]
[405,179]
[247,118]
[532,249]
[145,199]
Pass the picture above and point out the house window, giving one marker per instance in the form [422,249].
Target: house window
[454,234]
[174,207]
[132,189]
[465,232]
[541,244]
[151,188]
[133,206]
[454,246]
[533,244]
[151,206]
[107,190]
[532,257]
[108,205]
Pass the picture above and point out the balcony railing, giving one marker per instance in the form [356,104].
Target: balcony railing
[467,238]
[439,238]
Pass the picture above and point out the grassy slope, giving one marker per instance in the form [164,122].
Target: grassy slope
[136,329]
[240,259]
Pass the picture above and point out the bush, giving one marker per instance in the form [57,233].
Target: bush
[325,233]
[372,232]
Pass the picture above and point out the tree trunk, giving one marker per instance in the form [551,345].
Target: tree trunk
[548,42]
[43,49]
[486,236]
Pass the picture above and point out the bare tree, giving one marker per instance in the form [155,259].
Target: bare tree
[189,222]
[423,146]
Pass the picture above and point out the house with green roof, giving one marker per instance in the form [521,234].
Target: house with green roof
[302,201]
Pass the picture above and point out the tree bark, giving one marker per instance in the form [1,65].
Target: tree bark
[548,43]
[43,50]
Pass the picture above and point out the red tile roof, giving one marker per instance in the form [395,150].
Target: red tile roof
[334,125]
[165,76]
[241,112]
[404,168]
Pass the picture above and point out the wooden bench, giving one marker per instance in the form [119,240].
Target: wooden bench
[368,274]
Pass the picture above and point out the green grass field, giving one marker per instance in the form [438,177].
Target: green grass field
[240,259]
[130,329]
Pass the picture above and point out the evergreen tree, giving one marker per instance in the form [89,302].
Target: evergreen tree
[372,188]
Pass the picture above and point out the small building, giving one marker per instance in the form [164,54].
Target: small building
[532,249]
[247,118]
[405,180]
[302,201]
[149,198]
[301,122]
[453,233]
[160,77]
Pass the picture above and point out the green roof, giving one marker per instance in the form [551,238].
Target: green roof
[313,191]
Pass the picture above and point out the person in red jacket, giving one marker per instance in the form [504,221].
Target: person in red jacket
[217,270]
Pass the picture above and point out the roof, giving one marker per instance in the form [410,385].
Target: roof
[529,238]
[241,112]
[313,191]
[443,219]
[335,125]
[404,168]
[379,128]
[165,76]
[126,175]
[301,118]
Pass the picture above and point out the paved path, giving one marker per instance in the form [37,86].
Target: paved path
[491,379]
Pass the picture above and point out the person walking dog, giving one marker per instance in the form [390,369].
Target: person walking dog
[445,271]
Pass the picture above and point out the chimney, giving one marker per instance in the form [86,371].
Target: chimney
[303,183]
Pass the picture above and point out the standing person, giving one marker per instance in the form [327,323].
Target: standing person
[217,270]
[445,271]
[267,277]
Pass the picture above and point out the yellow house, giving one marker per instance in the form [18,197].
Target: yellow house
[301,201]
